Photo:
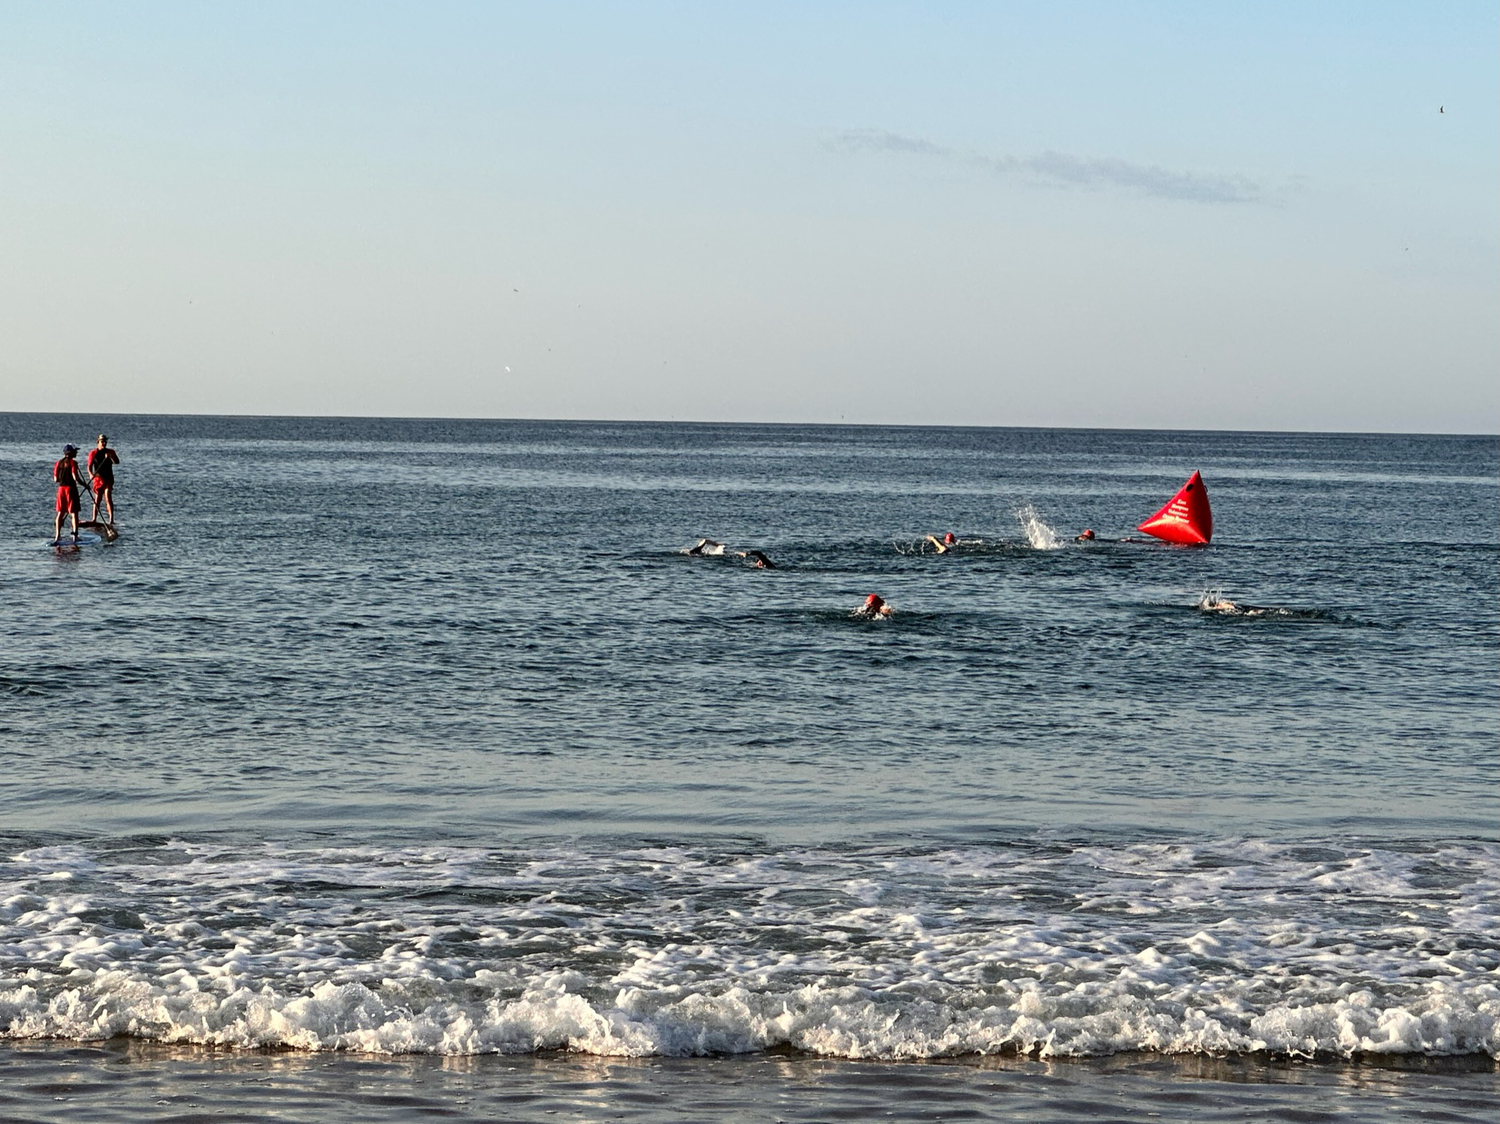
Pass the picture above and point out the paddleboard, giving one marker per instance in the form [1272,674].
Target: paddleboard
[85,538]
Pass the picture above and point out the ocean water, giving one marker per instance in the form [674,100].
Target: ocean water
[422,756]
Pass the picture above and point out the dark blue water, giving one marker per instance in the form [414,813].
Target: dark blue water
[427,736]
[407,627]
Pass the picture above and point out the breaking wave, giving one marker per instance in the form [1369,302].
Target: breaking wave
[1227,947]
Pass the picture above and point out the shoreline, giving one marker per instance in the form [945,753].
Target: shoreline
[133,1080]
[1194,1065]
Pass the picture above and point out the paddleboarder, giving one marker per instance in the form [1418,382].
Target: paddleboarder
[68,478]
[102,461]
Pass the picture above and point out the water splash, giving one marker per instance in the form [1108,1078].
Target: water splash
[1214,601]
[1038,534]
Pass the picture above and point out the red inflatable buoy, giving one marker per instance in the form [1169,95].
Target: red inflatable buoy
[1186,519]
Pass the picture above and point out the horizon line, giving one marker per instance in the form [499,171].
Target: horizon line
[762,424]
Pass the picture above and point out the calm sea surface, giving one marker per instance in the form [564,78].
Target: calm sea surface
[420,752]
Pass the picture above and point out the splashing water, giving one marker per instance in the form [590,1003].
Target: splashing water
[1213,600]
[1038,534]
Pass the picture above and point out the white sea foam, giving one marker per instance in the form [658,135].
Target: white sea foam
[1234,946]
[1038,533]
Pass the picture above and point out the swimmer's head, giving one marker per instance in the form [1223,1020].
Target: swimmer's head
[873,601]
[949,539]
[1087,536]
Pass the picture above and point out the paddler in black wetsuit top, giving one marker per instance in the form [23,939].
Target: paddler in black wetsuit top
[102,461]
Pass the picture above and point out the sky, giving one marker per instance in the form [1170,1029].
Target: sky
[1116,214]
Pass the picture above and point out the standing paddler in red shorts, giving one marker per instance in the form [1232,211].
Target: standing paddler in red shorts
[68,479]
[102,461]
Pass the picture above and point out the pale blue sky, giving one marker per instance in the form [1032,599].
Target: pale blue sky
[1116,214]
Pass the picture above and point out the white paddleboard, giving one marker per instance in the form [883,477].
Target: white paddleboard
[85,538]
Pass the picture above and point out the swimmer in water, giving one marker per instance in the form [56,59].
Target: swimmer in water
[949,541]
[760,561]
[705,546]
[874,607]
[1212,602]
[1087,536]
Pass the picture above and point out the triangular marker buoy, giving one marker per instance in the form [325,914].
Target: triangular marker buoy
[1186,519]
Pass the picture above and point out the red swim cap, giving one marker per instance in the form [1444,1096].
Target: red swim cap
[950,537]
[873,600]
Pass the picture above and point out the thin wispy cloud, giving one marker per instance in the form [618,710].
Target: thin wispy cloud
[1061,169]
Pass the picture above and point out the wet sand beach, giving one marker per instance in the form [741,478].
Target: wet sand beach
[130,1081]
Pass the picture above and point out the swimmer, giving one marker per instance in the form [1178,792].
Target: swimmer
[1087,536]
[1213,603]
[705,547]
[874,607]
[760,560]
[949,541]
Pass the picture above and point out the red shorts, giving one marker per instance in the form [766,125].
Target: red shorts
[98,484]
[67,500]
